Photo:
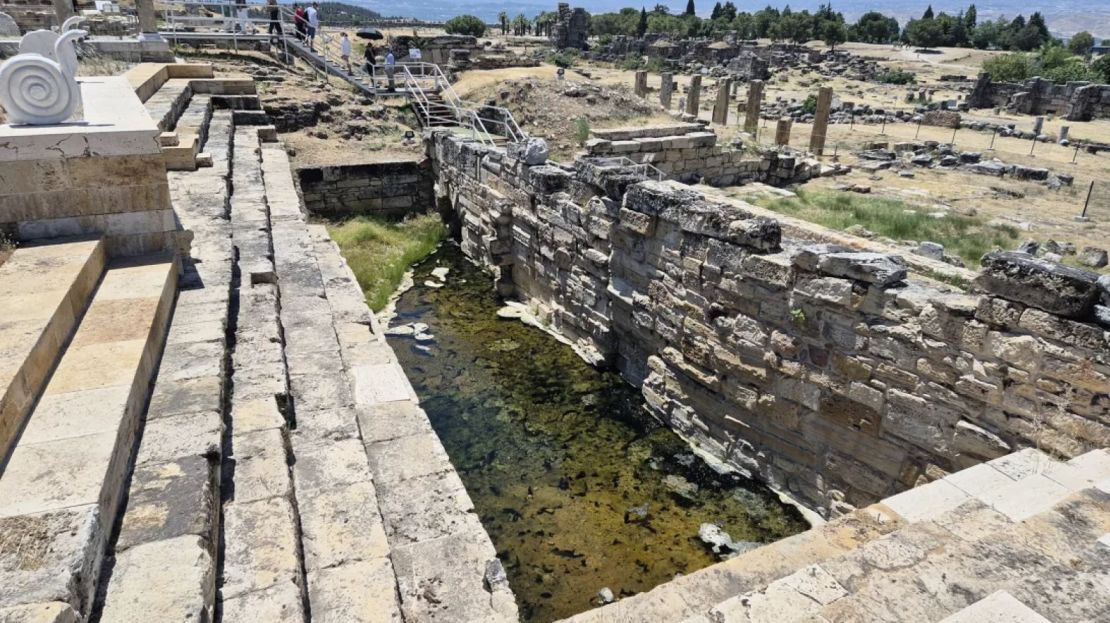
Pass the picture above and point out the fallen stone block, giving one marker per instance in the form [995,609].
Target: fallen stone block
[875,268]
[1052,287]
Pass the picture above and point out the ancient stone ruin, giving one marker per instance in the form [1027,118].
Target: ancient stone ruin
[1074,101]
[571,28]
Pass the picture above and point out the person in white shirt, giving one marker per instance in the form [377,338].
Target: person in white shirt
[345,50]
[313,15]
[390,67]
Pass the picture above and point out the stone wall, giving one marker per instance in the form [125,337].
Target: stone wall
[834,374]
[390,189]
[686,151]
[1074,101]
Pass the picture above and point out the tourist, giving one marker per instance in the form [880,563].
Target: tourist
[368,58]
[390,66]
[242,13]
[312,14]
[300,23]
[345,50]
[275,18]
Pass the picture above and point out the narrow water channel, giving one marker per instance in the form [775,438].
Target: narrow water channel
[577,486]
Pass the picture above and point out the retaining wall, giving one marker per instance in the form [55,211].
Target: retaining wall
[390,189]
[832,373]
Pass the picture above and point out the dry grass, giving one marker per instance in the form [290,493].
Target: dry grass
[7,247]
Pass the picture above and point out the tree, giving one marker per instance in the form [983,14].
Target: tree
[1081,43]
[834,33]
[1013,67]
[728,11]
[520,25]
[716,14]
[924,33]
[928,12]
[1101,66]
[503,19]
[465,25]
[641,28]
[689,7]
[874,27]
[971,16]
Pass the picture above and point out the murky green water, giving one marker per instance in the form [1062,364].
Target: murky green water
[578,487]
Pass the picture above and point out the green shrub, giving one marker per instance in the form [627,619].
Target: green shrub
[1012,67]
[563,58]
[897,76]
[582,130]
[465,25]
[810,105]
[631,62]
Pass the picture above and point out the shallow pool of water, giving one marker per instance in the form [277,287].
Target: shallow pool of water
[579,488]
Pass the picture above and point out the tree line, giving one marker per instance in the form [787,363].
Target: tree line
[930,30]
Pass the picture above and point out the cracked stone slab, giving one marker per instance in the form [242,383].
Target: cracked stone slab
[260,546]
[44,557]
[328,465]
[341,525]
[53,612]
[390,420]
[355,592]
[397,460]
[426,508]
[280,603]
[257,467]
[170,580]
[998,607]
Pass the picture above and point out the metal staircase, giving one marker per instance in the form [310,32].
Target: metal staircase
[430,93]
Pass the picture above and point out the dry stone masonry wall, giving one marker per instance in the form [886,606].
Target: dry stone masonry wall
[379,189]
[831,372]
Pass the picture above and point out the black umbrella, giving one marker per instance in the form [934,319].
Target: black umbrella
[372,34]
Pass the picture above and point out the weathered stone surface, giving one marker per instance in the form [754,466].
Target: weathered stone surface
[260,546]
[169,500]
[873,268]
[53,612]
[532,151]
[43,557]
[1054,288]
[356,592]
[167,580]
[280,603]
[341,525]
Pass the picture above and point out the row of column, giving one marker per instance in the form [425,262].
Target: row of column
[750,109]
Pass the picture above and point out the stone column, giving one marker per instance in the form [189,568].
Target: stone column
[666,88]
[1038,125]
[63,9]
[821,121]
[148,21]
[782,131]
[693,98]
[720,107]
[1064,130]
[755,102]
[641,83]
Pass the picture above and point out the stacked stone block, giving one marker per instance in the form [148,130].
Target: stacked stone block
[688,150]
[831,372]
[391,189]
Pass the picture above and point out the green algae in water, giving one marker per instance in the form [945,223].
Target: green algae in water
[578,487]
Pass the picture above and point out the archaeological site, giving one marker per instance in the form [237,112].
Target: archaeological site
[356,313]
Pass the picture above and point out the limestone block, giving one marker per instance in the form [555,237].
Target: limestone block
[260,546]
[390,420]
[280,603]
[169,580]
[257,466]
[172,437]
[998,607]
[169,500]
[41,555]
[328,465]
[1054,288]
[53,612]
[427,507]
[875,268]
[355,592]
[341,525]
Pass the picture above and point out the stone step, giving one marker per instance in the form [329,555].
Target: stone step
[60,491]
[977,510]
[44,289]
[183,155]
[164,556]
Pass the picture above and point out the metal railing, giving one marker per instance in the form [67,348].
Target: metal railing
[425,83]
[644,169]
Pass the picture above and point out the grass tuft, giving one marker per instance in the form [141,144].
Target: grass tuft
[380,251]
[968,237]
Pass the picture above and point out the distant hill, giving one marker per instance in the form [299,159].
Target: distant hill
[1064,17]
[343,14]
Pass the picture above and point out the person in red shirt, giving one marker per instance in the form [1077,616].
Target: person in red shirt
[300,21]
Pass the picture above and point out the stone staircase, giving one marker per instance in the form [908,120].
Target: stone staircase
[1023,536]
[263,487]
[61,485]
